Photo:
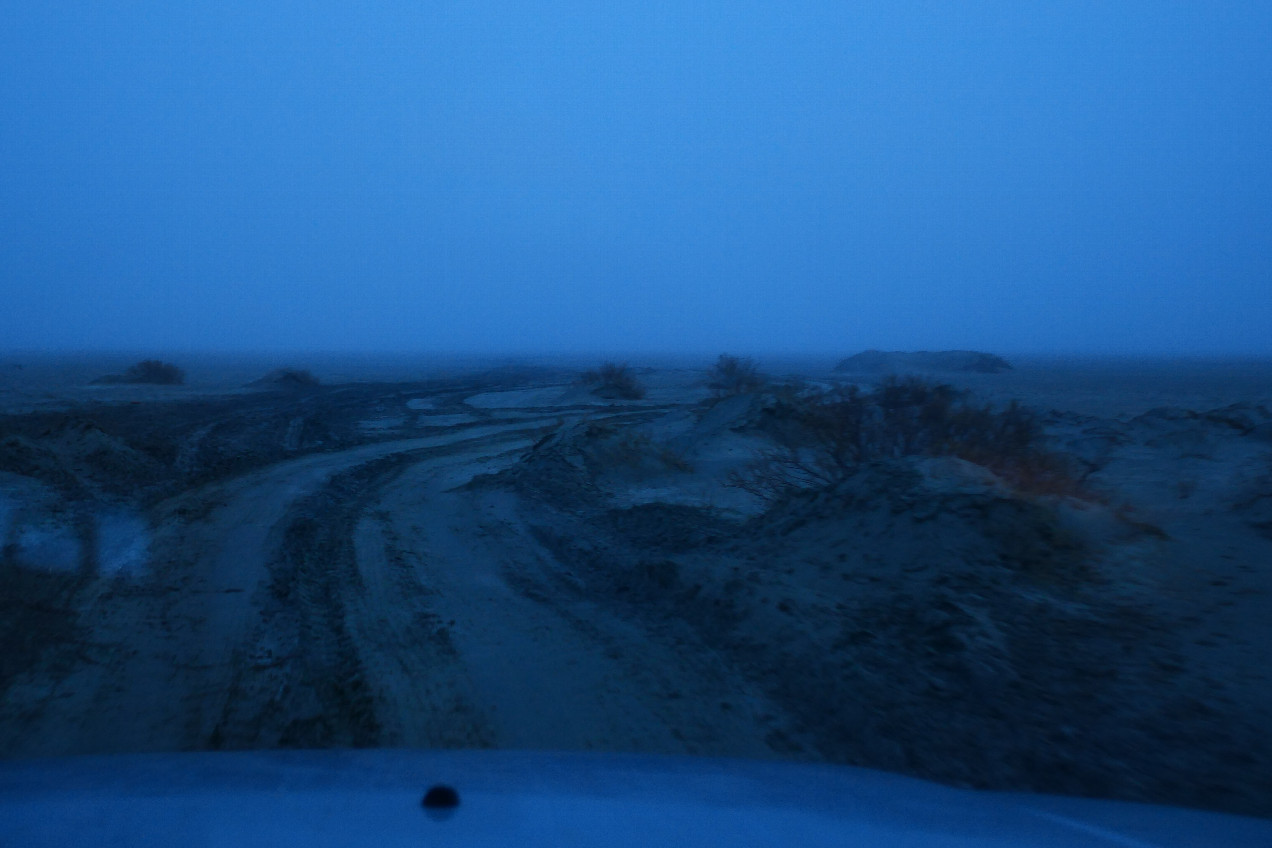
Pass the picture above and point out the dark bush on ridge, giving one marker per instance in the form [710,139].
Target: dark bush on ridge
[825,436]
[733,375]
[614,381]
[151,371]
[288,378]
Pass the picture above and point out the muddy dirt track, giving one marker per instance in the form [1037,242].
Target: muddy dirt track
[360,597]
[512,563]
[290,612]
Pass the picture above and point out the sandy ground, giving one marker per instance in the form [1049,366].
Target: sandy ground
[497,561]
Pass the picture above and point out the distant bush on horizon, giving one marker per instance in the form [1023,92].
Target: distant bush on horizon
[148,371]
[287,378]
[734,375]
[613,380]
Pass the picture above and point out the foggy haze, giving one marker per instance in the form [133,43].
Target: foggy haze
[503,177]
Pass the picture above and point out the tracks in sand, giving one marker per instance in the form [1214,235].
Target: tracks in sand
[358,598]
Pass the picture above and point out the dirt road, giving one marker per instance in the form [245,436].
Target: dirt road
[358,598]
[484,566]
[545,668]
[166,646]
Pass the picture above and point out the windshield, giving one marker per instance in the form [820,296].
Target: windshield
[876,384]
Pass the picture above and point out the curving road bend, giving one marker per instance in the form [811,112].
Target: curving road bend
[360,598]
[161,649]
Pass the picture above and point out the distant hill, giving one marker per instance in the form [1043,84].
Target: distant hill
[887,362]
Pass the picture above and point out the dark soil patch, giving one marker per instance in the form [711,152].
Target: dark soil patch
[37,617]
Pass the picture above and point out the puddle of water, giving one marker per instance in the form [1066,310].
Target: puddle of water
[123,544]
[47,547]
[44,543]
[48,541]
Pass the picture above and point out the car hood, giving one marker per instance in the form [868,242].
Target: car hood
[373,797]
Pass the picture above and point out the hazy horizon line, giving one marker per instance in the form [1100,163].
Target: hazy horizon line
[162,352]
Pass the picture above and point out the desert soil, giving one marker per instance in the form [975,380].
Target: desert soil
[508,561]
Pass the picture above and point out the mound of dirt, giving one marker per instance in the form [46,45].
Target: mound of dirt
[941,361]
[920,618]
[921,615]
[79,458]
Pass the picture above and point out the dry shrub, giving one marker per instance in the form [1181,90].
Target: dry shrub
[607,448]
[613,380]
[732,375]
[151,371]
[825,436]
[155,371]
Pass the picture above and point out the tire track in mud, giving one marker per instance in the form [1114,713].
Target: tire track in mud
[547,667]
[241,641]
[163,651]
[334,657]
[424,697]
[201,651]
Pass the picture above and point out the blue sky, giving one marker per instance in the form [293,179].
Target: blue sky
[694,176]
